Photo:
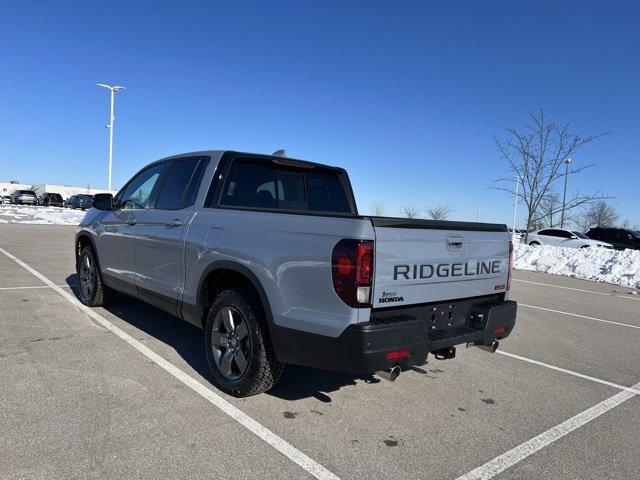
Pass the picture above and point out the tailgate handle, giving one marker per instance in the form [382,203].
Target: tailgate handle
[454,242]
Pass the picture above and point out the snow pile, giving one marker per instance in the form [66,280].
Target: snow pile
[598,264]
[40,215]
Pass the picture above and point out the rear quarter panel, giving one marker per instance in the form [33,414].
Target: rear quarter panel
[289,254]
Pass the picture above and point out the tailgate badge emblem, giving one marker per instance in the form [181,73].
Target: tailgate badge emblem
[454,242]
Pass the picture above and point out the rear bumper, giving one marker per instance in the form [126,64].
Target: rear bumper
[363,348]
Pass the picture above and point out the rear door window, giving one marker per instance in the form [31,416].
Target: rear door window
[173,194]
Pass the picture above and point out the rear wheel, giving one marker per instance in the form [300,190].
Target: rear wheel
[239,353]
[93,292]
[534,244]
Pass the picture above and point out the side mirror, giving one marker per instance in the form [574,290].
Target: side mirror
[573,237]
[103,201]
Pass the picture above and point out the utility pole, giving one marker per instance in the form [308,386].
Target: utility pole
[567,161]
[113,89]
[515,210]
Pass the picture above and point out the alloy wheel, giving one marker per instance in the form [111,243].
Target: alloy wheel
[87,276]
[231,343]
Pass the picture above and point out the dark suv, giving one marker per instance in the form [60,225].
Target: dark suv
[82,202]
[52,200]
[620,238]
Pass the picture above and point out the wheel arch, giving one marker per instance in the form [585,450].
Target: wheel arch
[228,274]
[84,238]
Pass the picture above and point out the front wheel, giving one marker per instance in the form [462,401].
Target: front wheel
[93,292]
[534,244]
[239,352]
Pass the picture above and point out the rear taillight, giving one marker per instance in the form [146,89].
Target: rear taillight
[352,271]
[510,272]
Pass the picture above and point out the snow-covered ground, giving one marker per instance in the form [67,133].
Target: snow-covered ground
[40,215]
[598,264]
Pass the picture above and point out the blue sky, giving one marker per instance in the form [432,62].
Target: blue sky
[405,95]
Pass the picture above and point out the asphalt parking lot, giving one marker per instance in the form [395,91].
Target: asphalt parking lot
[114,393]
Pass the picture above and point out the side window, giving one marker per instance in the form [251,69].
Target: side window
[250,184]
[564,234]
[173,192]
[137,194]
[548,233]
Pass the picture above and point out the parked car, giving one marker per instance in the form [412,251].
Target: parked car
[24,197]
[620,238]
[518,233]
[559,237]
[271,258]
[5,199]
[52,200]
[82,202]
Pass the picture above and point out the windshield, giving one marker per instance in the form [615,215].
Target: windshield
[25,192]
[579,235]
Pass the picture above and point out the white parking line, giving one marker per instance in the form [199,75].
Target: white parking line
[570,372]
[238,415]
[630,297]
[579,316]
[36,287]
[522,451]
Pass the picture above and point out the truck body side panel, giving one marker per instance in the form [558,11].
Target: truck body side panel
[289,254]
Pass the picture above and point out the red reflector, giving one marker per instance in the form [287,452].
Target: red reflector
[499,330]
[398,354]
[344,266]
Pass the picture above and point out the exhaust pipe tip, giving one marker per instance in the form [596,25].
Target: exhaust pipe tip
[390,375]
[491,348]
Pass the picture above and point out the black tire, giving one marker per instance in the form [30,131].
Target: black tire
[534,244]
[585,246]
[262,370]
[92,292]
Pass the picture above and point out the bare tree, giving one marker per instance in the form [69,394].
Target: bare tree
[547,210]
[379,210]
[438,212]
[537,157]
[410,211]
[600,214]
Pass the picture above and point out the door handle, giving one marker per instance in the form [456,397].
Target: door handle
[173,223]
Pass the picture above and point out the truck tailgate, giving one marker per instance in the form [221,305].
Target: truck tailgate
[422,261]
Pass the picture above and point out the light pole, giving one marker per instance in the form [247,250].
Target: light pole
[567,161]
[515,210]
[113,89]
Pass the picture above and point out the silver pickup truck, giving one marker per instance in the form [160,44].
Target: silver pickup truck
[270,257]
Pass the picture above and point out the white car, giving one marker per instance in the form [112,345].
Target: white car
[559,237]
